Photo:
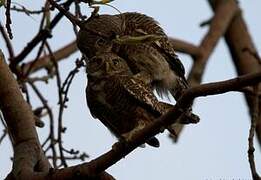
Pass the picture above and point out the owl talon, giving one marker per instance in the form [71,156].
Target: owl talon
[189,118]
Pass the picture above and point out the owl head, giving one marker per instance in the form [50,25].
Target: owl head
[107,64]
[97,33]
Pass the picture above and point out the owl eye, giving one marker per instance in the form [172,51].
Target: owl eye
[115,62]
[100,42]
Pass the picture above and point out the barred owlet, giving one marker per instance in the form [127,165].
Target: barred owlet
[122,102]
[154,62]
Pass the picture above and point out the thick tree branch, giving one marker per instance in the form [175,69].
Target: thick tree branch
[244,55]
[218,26]
[221,20]
[19,118]
[29,160]
[121,149]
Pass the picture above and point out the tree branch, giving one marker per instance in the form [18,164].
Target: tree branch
[28,154]
[67,50]
[7,41]
[29,159]
[221,20]
[42,35]
[122,148]
[244,55]
[45,61]
[185,47]
[218,26]
[19,118]
[251,148]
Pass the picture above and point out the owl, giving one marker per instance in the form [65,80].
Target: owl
[121,101]
[155,62]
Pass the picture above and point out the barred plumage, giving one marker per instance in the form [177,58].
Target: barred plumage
[118,99]
[155,63]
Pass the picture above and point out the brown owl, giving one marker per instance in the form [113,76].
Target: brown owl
[121,101]
[155,62]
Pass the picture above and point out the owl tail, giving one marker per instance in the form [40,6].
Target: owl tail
[154,142]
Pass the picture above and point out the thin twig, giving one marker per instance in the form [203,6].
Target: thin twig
[69,16]
[43,78]
[206,22]
[60,124]
[81,157]
[8,19]
[51,136]
[27,11]
[3,135]
[25,91]
[46,6]
[45,61]
[41,35]
[40,50]
[7,41]
[251,148]
[6,128]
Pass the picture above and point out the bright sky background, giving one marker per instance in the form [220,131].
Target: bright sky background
[215,148]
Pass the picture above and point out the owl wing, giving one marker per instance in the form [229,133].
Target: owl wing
[142,93]
[140,24]
[166,48]
[99,109]
[137,21]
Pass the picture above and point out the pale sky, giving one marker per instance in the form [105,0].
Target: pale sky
[215,148]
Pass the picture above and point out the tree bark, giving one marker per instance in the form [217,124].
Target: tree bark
[28,155]
[220,21]
[244,55]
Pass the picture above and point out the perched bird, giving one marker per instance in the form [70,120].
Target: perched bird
[122,102]
[153,61]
